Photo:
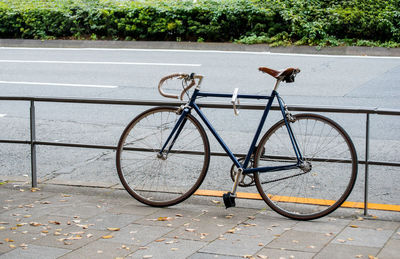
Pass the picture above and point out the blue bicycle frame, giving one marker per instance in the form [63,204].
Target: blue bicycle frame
[192,105]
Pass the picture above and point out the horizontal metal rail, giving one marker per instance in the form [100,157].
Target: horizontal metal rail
[326,109]
[329,109]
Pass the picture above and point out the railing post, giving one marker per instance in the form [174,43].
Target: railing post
[32,143]
[366,165]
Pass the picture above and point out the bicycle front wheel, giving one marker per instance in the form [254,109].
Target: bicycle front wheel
[325,179]
[167,180]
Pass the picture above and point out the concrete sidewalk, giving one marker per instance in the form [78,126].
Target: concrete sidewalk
[62,221]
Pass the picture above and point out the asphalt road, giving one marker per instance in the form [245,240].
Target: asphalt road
[355,81]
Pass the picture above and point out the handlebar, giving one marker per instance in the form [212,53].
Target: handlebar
[186,77]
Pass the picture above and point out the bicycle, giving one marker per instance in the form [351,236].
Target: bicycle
[304,166]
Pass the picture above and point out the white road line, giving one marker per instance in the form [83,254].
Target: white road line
[207,51]
[2,115]
[98,63]
[57,84]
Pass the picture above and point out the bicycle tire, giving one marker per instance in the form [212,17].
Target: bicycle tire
[161,182]
[299,194]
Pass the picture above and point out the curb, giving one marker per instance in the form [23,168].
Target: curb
[207,46]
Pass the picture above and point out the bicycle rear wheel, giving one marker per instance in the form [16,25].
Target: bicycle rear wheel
[162,181]
[324,181]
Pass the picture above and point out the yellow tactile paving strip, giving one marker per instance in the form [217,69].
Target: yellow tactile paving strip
[347,204]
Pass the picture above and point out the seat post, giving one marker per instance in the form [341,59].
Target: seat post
[278,81]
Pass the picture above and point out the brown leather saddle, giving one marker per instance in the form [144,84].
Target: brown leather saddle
[287,75]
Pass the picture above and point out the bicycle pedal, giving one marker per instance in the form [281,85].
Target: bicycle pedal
[229,200]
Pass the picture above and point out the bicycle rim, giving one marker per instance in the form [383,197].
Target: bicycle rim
[328,175]
[162,181]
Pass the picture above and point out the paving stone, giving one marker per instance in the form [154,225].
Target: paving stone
[37,225]
[204,229]
[334,251]
[107,220]
[363,237]
[322,225]
[136,209]
[34,251]
[83,210]
[391,250]
[214,222]
[376,224]
[272,253]
[100,249]
[237,245]
[139,235]
[178,249]
[262,225]
[300,241]
[70,238]
[17,237]
[169,217]
[397,234]
[213,256]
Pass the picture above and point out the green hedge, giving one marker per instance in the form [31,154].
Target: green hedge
[278,22]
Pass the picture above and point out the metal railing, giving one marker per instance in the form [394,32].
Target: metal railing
[33,142]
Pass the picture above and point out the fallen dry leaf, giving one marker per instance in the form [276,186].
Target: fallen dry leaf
[350,239]
[179,215]
[248,256]
[260,244]
[231,231]
[251,217]
[159,240]
[143,247]
[66,195]
[45,202]
[89,235]
[359,256]
[11,246]
[107,237]
[113,229]
[34,224]
[83,226]
[21,224]
[164,218]
[262,256]
[372,257]
[190,230]
[27,216]
[99,251]
[170,242]
[341,240]
[147,256]
[8,240]
[174,249]
[216,202]
[35,189]
[54,222]
[67,243]
[353,226]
